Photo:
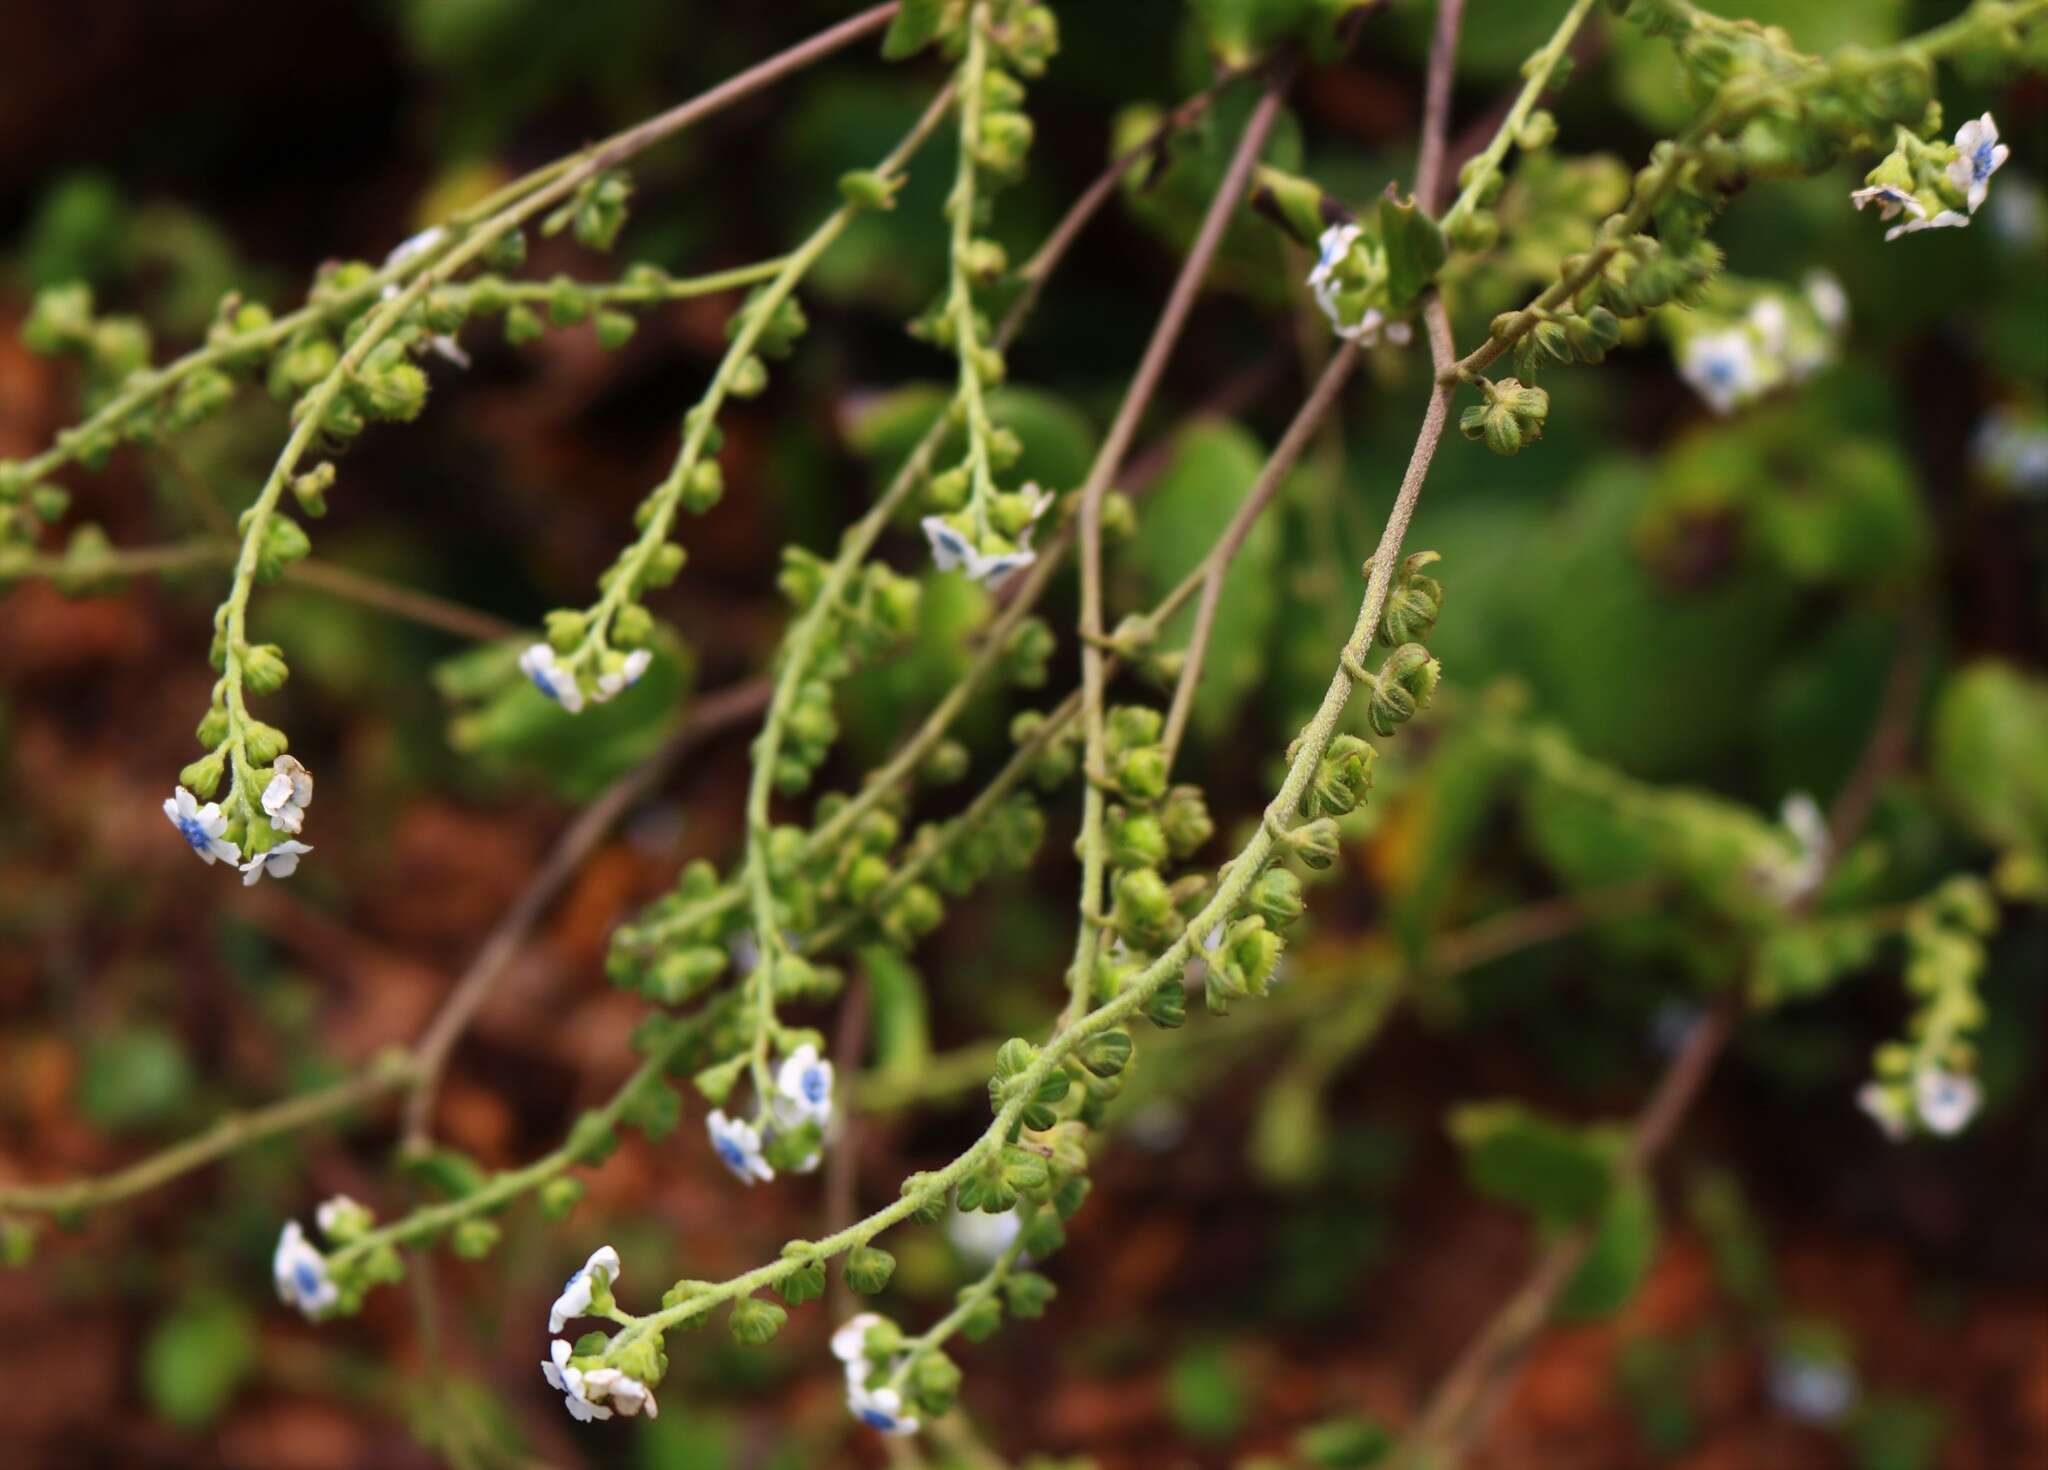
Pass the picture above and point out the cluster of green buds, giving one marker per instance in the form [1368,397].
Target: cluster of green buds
[972,523]
[61,322]
[25,506]
[1510,416]
[875,612]
[1928,1081]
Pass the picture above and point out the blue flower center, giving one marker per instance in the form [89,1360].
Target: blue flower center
[814,1086]
[1980,161]
[307,1279]
[732,1153]
[543,684]
[876,1419]
[1721,370]
[195,834]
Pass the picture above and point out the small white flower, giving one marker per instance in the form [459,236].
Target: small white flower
[1723,367]
[551,678]
[1876,1100]
[1948,219]
[628,1395]
[288,794]
[1890,200]
[600,1270]
[881,1409]
[981,1237]
[850,1342]
[1979,155]
[2011,452]
[1802,817]
[280,861]
[1811,1389]
[570,1381]
[201,826]
[803,1088]
[1945,1101]
[1827,298]
[627,676]
[1766,317]
[301,1274]
[738,1145]
[444,347]
[951,551]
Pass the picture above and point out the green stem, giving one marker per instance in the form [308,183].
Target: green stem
[1538,69]
[959,287]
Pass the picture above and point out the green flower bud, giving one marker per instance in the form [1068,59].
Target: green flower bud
[663,565]
[1136,839]
[1414,602]
[755,1321]
[559,1197]
[17,1242]
[1141,773]
[946,764]
[1167,1007]
[569,304]
[1028,655]
[1402,686]
[1027,1294]
[265,743]
[632,627]
[310,489]
[523,325]
[615,329]
[263,668]
[566,628]
[1592,334]
[750,377]
[474,1238]
[935,1383]
[867,188]
[703,487]
[1276,897]
[203,775]
[868,1269]
[1184,818]
[1119,517]
[807,1282]
[1144,907]
[1250,954]
[1315,843]
[1107,1054]
[680,974]
[1343,777]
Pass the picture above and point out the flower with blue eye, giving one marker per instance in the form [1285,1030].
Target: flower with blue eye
[1979,155]
[288,794]
[575,1390]
[597,1273]
[1890,200]
[1723,367]
[1945,1101]
[280,861]
[952,550]
[803,1088]
[738,1145]
[551,677]
[301,1274]
[881,1409]
[201,826]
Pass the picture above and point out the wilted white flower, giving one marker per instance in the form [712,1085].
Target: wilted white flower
[549,676]
[1979,155]
[626,1394]
[575,1394]
[1948,219]
[1802,817]
[404,250]
[850,1342]
[803,1088]
[301,1274]
[1723,367]
[288,794]
[627,676]
[1324,284]
[201,826]
[600,1270]
[738,1144]
[280,861]
[1890,201]
[1946,1101]
[980,1236]
[341,1216]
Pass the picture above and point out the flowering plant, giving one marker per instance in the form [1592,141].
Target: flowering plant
[755,974]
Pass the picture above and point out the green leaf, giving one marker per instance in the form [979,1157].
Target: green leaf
[1415,249]
[1990,754]
[916,26]
[1561,1175]
[1619,1258]
[196,1358]
[133,1078]
[897,1012]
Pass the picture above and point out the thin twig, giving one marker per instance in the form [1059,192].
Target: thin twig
[707,717]
[1109,458]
